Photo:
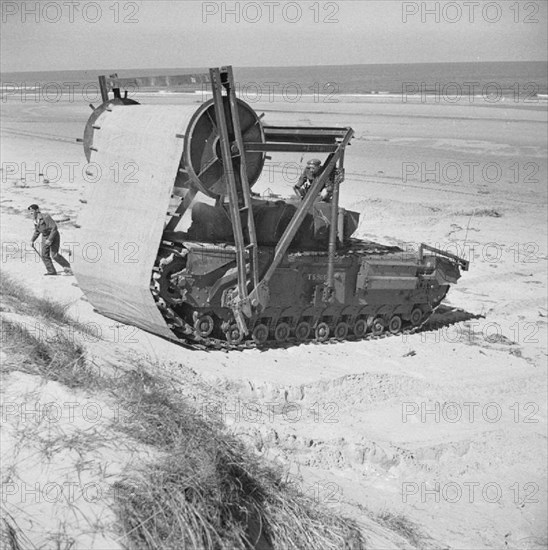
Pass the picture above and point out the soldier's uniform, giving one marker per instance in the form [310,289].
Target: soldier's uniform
[311,172]
[307,177]
[51,240]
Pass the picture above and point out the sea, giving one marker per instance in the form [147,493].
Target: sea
[493,80]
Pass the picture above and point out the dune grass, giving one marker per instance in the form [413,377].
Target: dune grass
[59,357]
[10,534]
[403,526]
[207,490]
[480,212]
[19,297]
[46,308]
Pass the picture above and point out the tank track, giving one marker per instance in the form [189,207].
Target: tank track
[187,334]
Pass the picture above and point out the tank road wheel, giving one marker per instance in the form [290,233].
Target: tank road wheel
[377,326]
[360,328]
[416,317]
[260,334]
[204,325]
[341,331]
[394,325]
[322,332]
[302,331]
[233,335]
[281,334]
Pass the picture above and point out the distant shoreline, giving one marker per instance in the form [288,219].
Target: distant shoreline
[486,78]
[8,89]
[183,70]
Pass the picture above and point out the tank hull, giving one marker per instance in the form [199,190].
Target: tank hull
[377,289]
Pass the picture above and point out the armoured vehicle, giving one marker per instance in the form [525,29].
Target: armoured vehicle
[247,270]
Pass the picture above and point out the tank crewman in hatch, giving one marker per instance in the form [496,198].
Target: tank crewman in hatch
[45,226]
[310,173]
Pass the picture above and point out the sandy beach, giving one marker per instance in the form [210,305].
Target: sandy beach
[446,427]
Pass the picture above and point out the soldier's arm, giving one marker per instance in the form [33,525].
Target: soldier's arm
[301,181]
[52,226]
[299,185]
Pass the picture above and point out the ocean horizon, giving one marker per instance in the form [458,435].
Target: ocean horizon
[517,78]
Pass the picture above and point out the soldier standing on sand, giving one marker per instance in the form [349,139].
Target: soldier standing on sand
[44,225]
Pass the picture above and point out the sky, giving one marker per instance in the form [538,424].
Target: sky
[64,34]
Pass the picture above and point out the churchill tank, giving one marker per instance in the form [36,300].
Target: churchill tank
[183,248]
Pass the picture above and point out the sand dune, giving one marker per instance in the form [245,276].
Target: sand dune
[369,433]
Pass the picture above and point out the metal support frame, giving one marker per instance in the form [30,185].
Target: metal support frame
[243,181]
[333,229]
[239,194]
[103,88]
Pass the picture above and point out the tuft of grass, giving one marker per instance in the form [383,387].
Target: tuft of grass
[403,526]
[208,491]
[57,358]
[50,310]
[480,212]
[9,533]
[18,339]
[28,303]
[10,287]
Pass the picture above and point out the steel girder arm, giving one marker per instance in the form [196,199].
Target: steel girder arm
[332,248]
[244,183]
[260,294]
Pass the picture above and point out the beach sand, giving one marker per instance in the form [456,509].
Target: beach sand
[379,422]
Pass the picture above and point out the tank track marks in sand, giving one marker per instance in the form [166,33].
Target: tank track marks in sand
[186,334]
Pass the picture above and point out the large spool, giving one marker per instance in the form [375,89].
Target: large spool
[201,166]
